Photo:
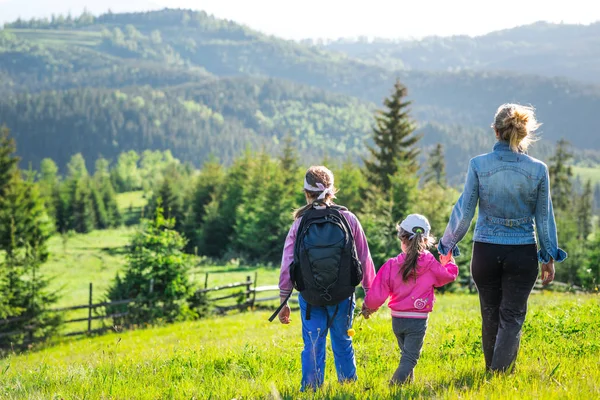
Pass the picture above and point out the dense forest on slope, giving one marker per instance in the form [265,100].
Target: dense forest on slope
[542,48]
[197,85]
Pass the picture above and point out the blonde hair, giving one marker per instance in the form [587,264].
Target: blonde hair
[416,243]
[516,125]
[317,174]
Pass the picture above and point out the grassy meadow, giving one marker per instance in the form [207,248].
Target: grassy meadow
[243,356]
[587,174]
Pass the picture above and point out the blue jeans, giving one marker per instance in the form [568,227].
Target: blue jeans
[314,334]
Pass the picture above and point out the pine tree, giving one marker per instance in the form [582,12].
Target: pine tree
[48,182]
[584,211]
[264,214]
[394,141]
[24,231]
[561,174]
[81,205]
[597,199]
[290,163]
[436,167]
[8,162]
[208,187]
[105,200]
[157,274]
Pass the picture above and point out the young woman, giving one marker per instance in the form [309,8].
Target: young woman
[318,320]
[513,193]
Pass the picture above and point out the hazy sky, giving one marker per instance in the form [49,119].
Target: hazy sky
[338,18]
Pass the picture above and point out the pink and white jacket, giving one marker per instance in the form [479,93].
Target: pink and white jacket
[413,298]
[362,251]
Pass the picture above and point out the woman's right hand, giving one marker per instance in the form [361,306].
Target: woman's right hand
[284,314]
[548,272]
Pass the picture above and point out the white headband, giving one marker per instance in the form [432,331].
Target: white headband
[319,188]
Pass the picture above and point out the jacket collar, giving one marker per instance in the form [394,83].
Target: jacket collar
[502,146]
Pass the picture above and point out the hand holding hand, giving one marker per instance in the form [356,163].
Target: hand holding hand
[445,259]
[366,312]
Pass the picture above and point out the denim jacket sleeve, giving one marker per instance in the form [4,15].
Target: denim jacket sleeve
[546,225]
[462,214]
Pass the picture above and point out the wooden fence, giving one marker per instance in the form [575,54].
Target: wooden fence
[245,298]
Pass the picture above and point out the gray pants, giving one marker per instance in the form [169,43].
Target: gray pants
[410,333]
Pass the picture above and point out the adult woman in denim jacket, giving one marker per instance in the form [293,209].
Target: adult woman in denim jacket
[513,192]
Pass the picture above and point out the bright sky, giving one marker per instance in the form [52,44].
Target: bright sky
[350,18]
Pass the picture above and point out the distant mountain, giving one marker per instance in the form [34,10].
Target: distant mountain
[572,51]
[11,10]
[200,85]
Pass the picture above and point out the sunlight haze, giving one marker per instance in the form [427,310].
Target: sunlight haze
[335,18]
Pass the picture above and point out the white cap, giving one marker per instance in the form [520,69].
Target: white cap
[415,222]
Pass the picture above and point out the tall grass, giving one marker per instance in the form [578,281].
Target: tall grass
[242,356]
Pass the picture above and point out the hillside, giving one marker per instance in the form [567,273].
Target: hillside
[547,49]
[70,68]
[245,356]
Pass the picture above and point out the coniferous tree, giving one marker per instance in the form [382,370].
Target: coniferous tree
[8,162]
[157,273]
[395,141]
[584,211]
[436,166]
[290,163]
[48,183]
[24,231]
[597,199]
[207,188]
[561,174]
[264,215]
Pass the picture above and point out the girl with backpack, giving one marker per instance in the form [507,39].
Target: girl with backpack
[324,257]
[409,279]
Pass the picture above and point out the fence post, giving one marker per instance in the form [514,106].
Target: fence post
[248,290]
[254,291]
[90,311]
[206,281]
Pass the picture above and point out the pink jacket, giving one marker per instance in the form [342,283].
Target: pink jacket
[362,250]
[410,299]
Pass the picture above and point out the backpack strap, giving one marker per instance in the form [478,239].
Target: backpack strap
[280,307]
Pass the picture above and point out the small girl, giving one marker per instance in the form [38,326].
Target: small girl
[409,279]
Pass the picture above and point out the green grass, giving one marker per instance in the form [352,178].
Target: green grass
[134,200]
[243,356]
[98,256]
[94,257]
[57,37]
[587,173]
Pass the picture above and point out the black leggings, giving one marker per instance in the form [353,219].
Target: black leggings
[505,276]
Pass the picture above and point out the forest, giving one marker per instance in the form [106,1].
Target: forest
[178,75]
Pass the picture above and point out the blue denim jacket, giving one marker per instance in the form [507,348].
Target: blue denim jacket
[513,191]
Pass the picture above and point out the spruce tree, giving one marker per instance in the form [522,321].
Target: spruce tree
[561,174]
[24,231]
[81,205]
[48,182]
[436,167]
[290,163]
[584,211]
[395,139]
[208,186]
[8,162]
[157,274]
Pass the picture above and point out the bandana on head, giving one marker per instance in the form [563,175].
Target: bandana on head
[319,188]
